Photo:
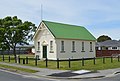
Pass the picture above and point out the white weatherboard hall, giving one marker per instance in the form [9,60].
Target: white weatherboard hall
[54,40]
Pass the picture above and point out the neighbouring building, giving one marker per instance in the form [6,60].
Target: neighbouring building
[108,48]
[20,49]
[54,40]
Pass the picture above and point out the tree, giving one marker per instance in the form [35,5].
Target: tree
[103,38]
[2,39]
[14,31]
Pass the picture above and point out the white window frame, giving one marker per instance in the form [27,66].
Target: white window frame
[62,46]
[114,48]
[73,46]
[51,45]
[91,48]
[83,47]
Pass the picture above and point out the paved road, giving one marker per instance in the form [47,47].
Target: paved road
[10,76]
[110,78]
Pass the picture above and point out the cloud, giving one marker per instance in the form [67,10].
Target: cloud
[96,15]
[73,11]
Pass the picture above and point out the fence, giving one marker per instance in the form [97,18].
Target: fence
[36,62]
[101,53]
[11,52]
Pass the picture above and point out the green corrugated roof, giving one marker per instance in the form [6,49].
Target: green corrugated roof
[66,31]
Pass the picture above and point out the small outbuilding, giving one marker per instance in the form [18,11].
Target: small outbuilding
[54,40]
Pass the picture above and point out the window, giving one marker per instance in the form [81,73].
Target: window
[73,46]
[114,48]
[91,47]
[83,50]
[51,45]
[38,46]
[62,46]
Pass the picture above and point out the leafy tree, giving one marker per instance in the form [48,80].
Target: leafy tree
[14,31]
[103,38]
[2,39]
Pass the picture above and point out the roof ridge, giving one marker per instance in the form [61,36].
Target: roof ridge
[63,23]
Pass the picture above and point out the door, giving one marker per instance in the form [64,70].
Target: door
[44,51]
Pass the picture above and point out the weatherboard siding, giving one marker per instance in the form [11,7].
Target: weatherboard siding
[78,48]
[47,32]
[44,37]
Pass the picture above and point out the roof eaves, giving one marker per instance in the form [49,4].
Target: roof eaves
[76,39]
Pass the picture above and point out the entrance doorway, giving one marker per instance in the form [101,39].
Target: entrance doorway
[44,51]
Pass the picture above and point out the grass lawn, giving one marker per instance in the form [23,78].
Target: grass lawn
[88,64]
[17,68]
[75,65]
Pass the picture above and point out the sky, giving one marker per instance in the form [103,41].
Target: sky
[100,17]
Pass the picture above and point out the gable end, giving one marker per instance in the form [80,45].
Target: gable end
[49,29]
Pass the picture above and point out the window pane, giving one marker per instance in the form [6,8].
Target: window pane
[62,45]
[82,46]
[114,47]
[73,45]
[90,46]
[51,45]
[38,46]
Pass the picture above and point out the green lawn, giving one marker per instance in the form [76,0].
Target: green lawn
[75,65]
[17,68]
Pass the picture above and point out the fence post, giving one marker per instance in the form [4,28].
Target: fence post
[103,60]
[111,59]
[19,59]
[69,63]
[82,61]
[118,58]
[35,61]
[9,58]
[94,60]
[23,61]
[26,60]
[3,58]
[57,62]
[46,62]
